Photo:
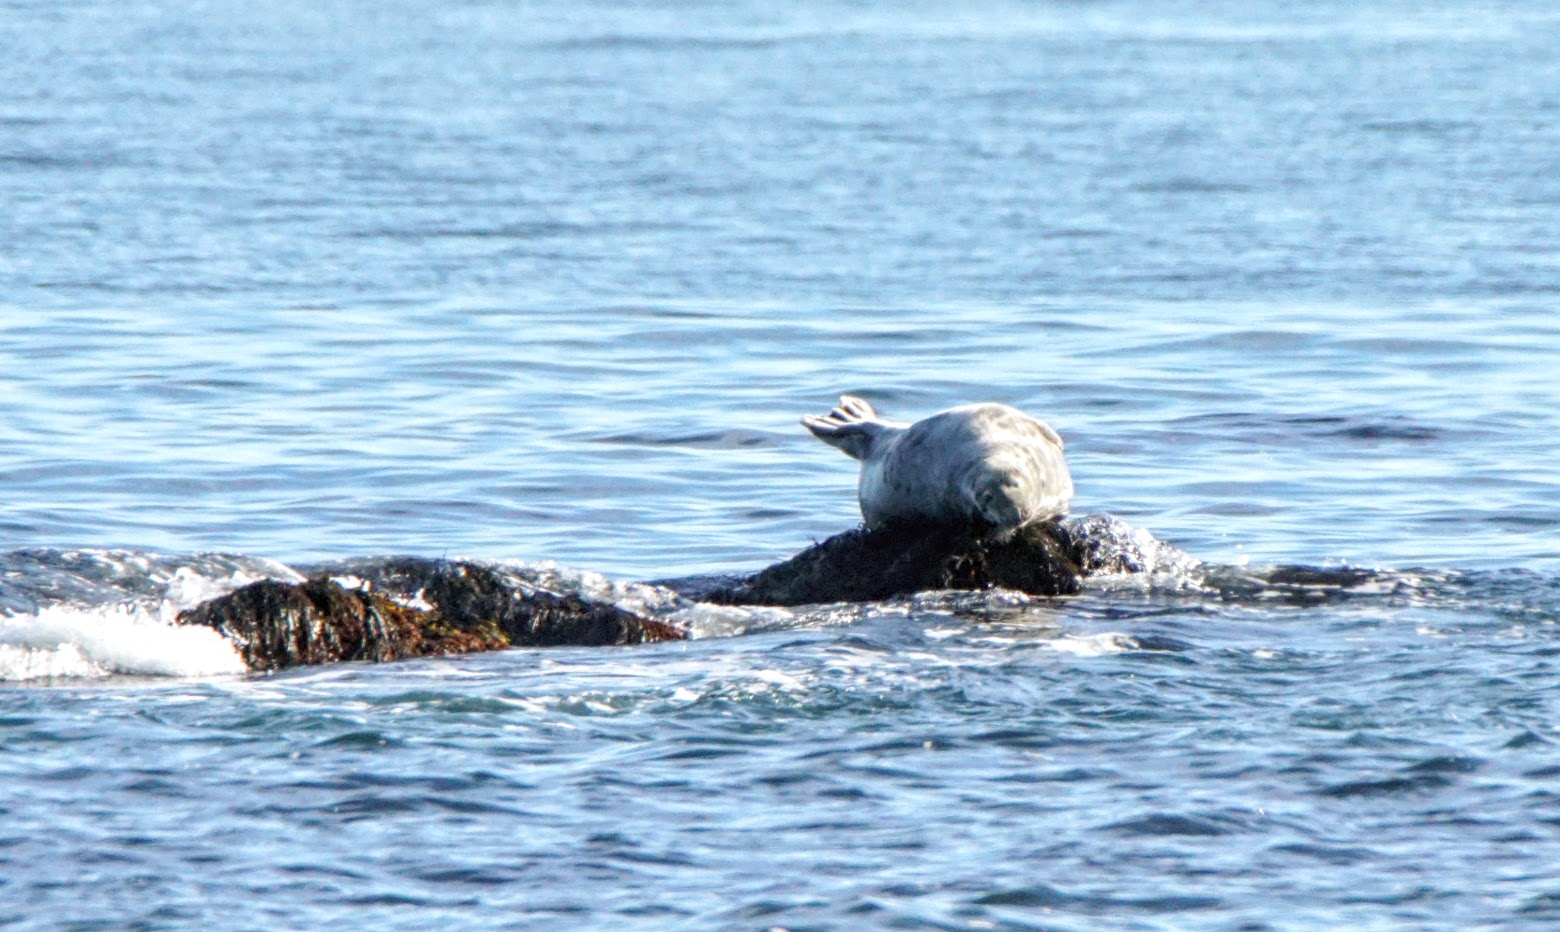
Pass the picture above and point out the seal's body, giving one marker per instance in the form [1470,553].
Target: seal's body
[982,464]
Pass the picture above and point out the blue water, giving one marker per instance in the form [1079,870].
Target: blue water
[527,282]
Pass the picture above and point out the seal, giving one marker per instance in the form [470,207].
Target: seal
[983,465]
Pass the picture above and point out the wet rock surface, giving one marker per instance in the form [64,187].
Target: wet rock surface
[412,608]
[1050,558]
[277,624]
[513,604]
[400,607]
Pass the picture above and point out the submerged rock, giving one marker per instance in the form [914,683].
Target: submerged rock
[445,608]
[1046,558]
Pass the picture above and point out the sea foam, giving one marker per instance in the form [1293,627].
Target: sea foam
[65,642]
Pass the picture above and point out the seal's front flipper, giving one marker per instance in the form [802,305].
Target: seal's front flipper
[850,427]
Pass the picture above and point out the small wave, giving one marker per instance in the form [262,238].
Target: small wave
[61,642]
[1092,645]
[707,620]
[32,579]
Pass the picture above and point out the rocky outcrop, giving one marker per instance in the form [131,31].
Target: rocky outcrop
[388,609]
[1051,558]
[276,624]
[439,607]
[516,605]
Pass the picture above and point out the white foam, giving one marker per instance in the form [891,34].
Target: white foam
[418,601]
[187,588]
[1091,645]
[20,663]
[708,620]
[60,641]
[638,597]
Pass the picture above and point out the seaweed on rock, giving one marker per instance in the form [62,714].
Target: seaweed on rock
[448,608]
[1046,558]
[275,624]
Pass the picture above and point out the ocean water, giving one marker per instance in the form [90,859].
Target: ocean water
[537,283]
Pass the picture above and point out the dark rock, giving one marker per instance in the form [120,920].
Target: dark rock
[1049,558]
[409,607]
[865,565]
[470,608]
[499,602]
[275,624]
[698,588]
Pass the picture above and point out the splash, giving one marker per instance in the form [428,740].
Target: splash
[1093,645]
[92,643]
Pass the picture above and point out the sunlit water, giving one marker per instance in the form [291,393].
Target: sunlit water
[554,283]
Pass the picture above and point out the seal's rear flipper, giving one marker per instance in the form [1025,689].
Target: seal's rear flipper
[851,426]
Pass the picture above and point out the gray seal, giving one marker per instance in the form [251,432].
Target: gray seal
[981,464]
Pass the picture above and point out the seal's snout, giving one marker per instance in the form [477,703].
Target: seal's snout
[1000,504]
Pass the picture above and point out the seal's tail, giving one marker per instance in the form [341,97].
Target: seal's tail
[850,426]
